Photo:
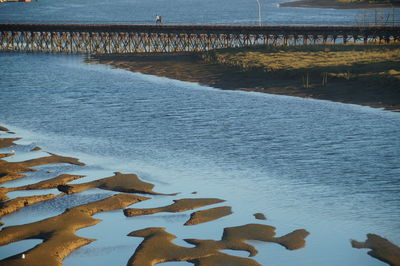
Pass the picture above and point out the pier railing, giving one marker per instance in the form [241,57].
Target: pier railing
[105,39]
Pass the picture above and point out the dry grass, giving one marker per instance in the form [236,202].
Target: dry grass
[379,64]
[307,58]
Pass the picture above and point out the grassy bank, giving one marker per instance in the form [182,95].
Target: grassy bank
[378,64]
[271,58]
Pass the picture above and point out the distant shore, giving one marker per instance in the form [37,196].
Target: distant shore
[334,4]
[374,84]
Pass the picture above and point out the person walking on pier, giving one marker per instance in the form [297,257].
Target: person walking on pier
[158,19]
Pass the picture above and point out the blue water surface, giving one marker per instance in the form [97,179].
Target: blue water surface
[330,168]
[203,12]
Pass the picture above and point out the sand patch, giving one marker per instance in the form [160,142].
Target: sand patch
[157,246]
[58,232]
[49,183]
[223,260]
[260,216]
[3,194]
[45,184]
[178,206]
[16,204]
[4,155]
[381,249]
[3,128]
[7,142]
[12,170]
[208,215]
[129,183]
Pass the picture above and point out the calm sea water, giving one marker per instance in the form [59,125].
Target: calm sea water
[330,168]
[242,12]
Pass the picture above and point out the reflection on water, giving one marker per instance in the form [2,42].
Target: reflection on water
[307,164]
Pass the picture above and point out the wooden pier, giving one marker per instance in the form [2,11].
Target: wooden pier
[113,38]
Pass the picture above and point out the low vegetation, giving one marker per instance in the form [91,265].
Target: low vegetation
[291,58]
[340,61]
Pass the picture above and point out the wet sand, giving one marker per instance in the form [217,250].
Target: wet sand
[58,232]
[381,248]
[7,142]
[373,85]
[260,216]
[129,183]
[208,215]
[13,170]
[157,246]
[178,206]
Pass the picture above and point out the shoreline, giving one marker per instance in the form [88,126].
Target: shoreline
[359,89]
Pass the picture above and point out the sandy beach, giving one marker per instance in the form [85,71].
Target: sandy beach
[357,74]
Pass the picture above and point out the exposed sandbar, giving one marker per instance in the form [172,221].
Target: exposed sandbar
[178,206]
[208,215]
[58,232]
[129,183]
[293,240]
[266,233]
[4,155]
[12,170]
[381,249]
[7,142]
[13,205]
[36,149]
[45,184]
[260,216]
[3,194]
[223,259]
[3,128]
[157,246]
[52,159]
[49,183]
